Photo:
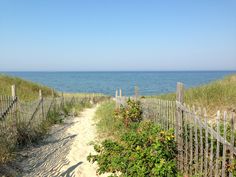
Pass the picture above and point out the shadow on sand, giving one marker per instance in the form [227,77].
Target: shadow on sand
[70,171]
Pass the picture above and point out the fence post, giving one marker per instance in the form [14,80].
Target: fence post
[52,93]
[41,99]
[180,92]
[217,162]
[116,99]
[179,123]
[13,91]
[116,93]
[120,98]
[40,94]
[62,97]
[232,139]
[14,98]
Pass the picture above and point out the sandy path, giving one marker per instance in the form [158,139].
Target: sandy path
[85,132]
[65,151]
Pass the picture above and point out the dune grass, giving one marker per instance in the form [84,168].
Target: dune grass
[26,90]
[108,125]
[95,97]
[25,135]
[217,95]
[84,95]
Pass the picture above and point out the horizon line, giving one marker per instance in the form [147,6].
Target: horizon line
[120,71]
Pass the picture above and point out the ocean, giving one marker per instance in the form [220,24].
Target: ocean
[149,83]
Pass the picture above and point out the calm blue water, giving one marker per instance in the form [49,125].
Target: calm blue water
[149,83]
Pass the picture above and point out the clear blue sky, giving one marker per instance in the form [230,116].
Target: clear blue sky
[53,35]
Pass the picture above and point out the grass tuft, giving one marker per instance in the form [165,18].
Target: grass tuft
[217,95]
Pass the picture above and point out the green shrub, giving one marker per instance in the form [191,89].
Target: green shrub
[232,168]
[131,112]
[143,151]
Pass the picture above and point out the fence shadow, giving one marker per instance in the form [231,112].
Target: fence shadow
[70,171]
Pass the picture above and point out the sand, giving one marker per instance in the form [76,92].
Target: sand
[85,132]
[64,152]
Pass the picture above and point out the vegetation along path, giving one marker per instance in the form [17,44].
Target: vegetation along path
[65,151]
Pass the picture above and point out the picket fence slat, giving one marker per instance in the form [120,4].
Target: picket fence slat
[196,141]
[201,145]
[232,124]
[212,131]
[13,113]
[217,145]
[224,147]
[191,144]
[212,151]
[206,147]
[186,144]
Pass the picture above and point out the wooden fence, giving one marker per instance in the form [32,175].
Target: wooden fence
[16,114]
[206,147]
[159,111]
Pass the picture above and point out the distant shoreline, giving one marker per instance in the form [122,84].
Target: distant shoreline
[145,71]
[149,82]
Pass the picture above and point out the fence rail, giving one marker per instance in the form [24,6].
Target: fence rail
[16,114]
[205,148]
[7,103]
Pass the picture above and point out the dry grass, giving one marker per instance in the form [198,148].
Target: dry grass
[21,133]
[26,90]
[217,95]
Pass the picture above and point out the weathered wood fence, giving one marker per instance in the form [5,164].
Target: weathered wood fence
[16,114]
[206,145]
